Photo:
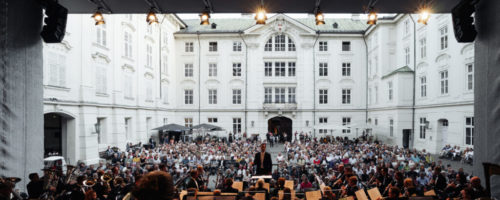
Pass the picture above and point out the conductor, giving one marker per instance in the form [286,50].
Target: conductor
[263,161]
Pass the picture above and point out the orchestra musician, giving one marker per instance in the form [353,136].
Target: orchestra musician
[202,181]
[193,181]
[263,161]
[228,186]
[351,187]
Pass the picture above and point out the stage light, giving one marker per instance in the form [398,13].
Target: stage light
[204,18]
[320,18]
[424,16]
[99,19]
[151,18]
[372,18]
[260,16]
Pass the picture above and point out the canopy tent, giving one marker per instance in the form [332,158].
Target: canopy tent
[174,131]
[172,128]
[207,127]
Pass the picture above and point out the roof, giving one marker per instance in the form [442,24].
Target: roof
[172,128]
[236,25]
[208,127]
[404,69]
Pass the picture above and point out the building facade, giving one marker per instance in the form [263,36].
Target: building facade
[109,85]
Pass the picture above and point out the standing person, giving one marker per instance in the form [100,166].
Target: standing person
[263,161]
[35,186]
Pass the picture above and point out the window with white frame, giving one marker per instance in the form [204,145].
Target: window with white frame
[279,95]
[323,69]
[470,76]
[149,90]
[128,129]
[346,46]
[280,42]
[236,125]
[423,86]
[291,95]
[422,127]
[268,69]
[212,46]
[57,69]
[212,96]
[346,69]
[291,69]
[346,121]
[101,74]
[188,122]
[127,41]
[164,92]
[236,69]
[323,120]
[291,45]
[391,127]
[369,95]
[269,45]
[236,46]
[323,96]
[188,70]
[280,69]
[389,87]
[346,96]
[188,97]
[323,46]
[164,62]
[236,96]
[444,82]
[376,94]
[443,37]
[149,55]
[212,70]
[407,56]
[188,47]
[101,35]
[128,88]
[268,95]
[469,130]
[423,47]
[165,121]
[212,120]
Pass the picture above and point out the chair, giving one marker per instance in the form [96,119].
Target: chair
[489,170]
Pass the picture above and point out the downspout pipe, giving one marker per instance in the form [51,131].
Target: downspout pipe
[199,77]
[314,83]
[246,81]
[414,79]
[366,71]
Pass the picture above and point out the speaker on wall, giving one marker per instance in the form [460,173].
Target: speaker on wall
[463,22]
[55,23]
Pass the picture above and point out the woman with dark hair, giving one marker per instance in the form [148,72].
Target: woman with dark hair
[228,186]
[409,188]
[287,194]
[156,185]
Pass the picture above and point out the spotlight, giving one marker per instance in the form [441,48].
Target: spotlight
[320,18]
[151,18]
[372,18]
[260,16]
[204,17]
[99,19]
[424,16]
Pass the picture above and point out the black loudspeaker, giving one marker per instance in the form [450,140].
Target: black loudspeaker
[463,22]
[55,23]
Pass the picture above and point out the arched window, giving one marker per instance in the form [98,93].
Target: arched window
[279,42]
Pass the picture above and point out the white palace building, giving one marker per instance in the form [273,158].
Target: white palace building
[112,84]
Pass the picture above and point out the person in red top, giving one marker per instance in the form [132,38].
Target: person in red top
[317,161]
[305,184]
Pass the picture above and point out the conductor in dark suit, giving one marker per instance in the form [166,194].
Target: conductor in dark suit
[263,161]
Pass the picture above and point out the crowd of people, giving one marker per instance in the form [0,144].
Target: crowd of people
[455,153]
[337,166]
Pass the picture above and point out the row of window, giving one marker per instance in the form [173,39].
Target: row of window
[212,96]
[188,122]
[323,69]
[346,121]
[323,96]
[279,94]
[444,81]
[212,69]
[323,46]
[469,129]
[212,47]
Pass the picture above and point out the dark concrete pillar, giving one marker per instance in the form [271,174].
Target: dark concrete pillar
[487,86]
[21,89]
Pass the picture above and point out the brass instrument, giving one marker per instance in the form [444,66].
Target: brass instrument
[50,179]
[70,176]
[106,178]
[90,182]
